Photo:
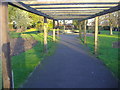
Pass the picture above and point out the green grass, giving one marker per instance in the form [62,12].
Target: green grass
[106,52]
[24,63]
[105,32]
[13,34]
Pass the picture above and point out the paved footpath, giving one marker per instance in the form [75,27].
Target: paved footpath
[71,67]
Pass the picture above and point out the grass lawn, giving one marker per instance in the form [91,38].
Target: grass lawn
[24,63]
[104,32]
[106,52]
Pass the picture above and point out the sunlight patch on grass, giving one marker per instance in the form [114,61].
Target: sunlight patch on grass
[108,36]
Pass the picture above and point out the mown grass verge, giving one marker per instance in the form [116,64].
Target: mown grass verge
[24,63]
[106,52]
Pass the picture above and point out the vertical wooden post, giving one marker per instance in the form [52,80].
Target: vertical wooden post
[45,35]
[85,32]
[64,25]
[110,23]
[111,27]
[53,24]
[5,44]
[96,35]
[118,21]
[58,28]
[80,29]
[54,30]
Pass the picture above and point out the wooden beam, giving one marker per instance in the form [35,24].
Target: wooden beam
[71,15]
[69,18]
[5,43]
[96,35]
[99,3]
[64,10]
[85,31]
[45,35]
[112,9]
[25,7]
[69,7]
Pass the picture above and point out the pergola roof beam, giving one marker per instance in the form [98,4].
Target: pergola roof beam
[113,9]
[69,18]
[70,3]
[71,10]
[72,15]
[29,9]
[68,7]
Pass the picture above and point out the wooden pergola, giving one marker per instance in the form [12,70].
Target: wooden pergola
[81,10]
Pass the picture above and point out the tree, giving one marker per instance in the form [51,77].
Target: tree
[20,17]
[50,24]
[76,24]
[111,19]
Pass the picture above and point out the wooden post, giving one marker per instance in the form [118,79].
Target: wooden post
[80,30]
[110,23]
[45,35]
[111,33]
[85,32]
[64,25]
[5,44]
[54,30]
[96,35]
[58,33]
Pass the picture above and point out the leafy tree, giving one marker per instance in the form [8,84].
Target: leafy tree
[50,24]
[76,24]
[111,19]
[19,16]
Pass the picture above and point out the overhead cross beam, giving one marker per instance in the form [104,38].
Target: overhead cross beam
[29,9]
[68,12]
[72,15]
[72,10]
[71,3]
[113,9]
[43,12]
[69,18]
[69,7]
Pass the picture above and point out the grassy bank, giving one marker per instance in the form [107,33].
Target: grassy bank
[24,63]
[106,52]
